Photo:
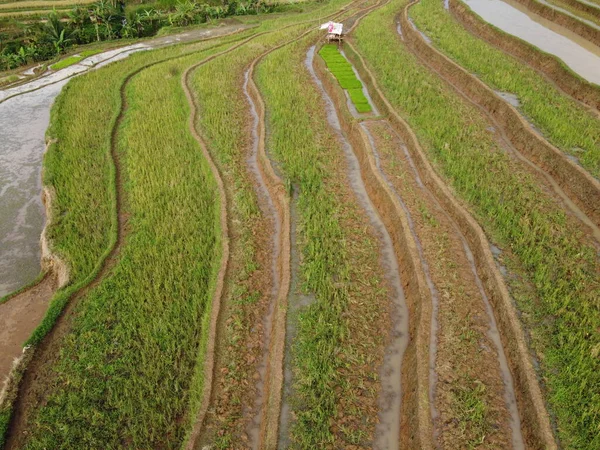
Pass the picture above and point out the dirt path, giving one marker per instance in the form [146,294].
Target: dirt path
[546,65]
[578,191]
[534,418]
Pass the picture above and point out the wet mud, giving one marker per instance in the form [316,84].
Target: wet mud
[546,64]
[19,316]
[535,422]
[578,191]
[387,434]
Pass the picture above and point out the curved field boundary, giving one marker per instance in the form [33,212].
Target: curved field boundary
[269,429]
[45,339]
[580,185]
[548,65]
[586,8]
[417,426]
[584,30]
[275,185]
[532,406]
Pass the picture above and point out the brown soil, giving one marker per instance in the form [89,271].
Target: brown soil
[535,421]
[581,187]
[560,18]
[19,316]
[416,426]
[31,391]
[547,65]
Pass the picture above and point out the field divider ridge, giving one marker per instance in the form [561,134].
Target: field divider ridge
[581,187]
[533,410]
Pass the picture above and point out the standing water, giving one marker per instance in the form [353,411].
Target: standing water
[388,428]
[580,55]
[24,117]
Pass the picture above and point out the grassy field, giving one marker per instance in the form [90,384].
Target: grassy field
[75,167]
[562,317]
[336,346]
[562,120]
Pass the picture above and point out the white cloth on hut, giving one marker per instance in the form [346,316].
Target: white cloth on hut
[333,27]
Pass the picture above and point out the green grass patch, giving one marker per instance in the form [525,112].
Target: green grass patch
[342,70]
[135,353]
[70,60]
[563,121]
[514,210]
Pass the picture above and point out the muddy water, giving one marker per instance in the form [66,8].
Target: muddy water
[580,55]
[23,120]
[269,210]
[24,117]
[510,398]
[425,265]
[493,332]
[297,302]
[388,429]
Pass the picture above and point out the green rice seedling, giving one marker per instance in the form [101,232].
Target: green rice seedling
[137,337]
[154,306]
[561,267]
[563,121]
[342,70]
[333,244]
[69,61]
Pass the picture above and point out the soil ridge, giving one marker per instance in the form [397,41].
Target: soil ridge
[537,429]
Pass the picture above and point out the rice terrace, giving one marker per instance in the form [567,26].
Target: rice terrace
[305,224]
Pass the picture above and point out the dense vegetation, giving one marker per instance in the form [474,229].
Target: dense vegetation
[107,21]
[566,123]
[563,316]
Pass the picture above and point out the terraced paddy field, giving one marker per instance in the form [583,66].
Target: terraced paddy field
[257,239]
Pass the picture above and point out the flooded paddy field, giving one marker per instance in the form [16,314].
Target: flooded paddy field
[265,237]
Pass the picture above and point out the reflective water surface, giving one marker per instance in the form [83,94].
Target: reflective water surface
[580,55]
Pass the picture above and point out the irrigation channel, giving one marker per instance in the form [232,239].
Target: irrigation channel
[578,191]
[25,114]
[453,336]
[581,55]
